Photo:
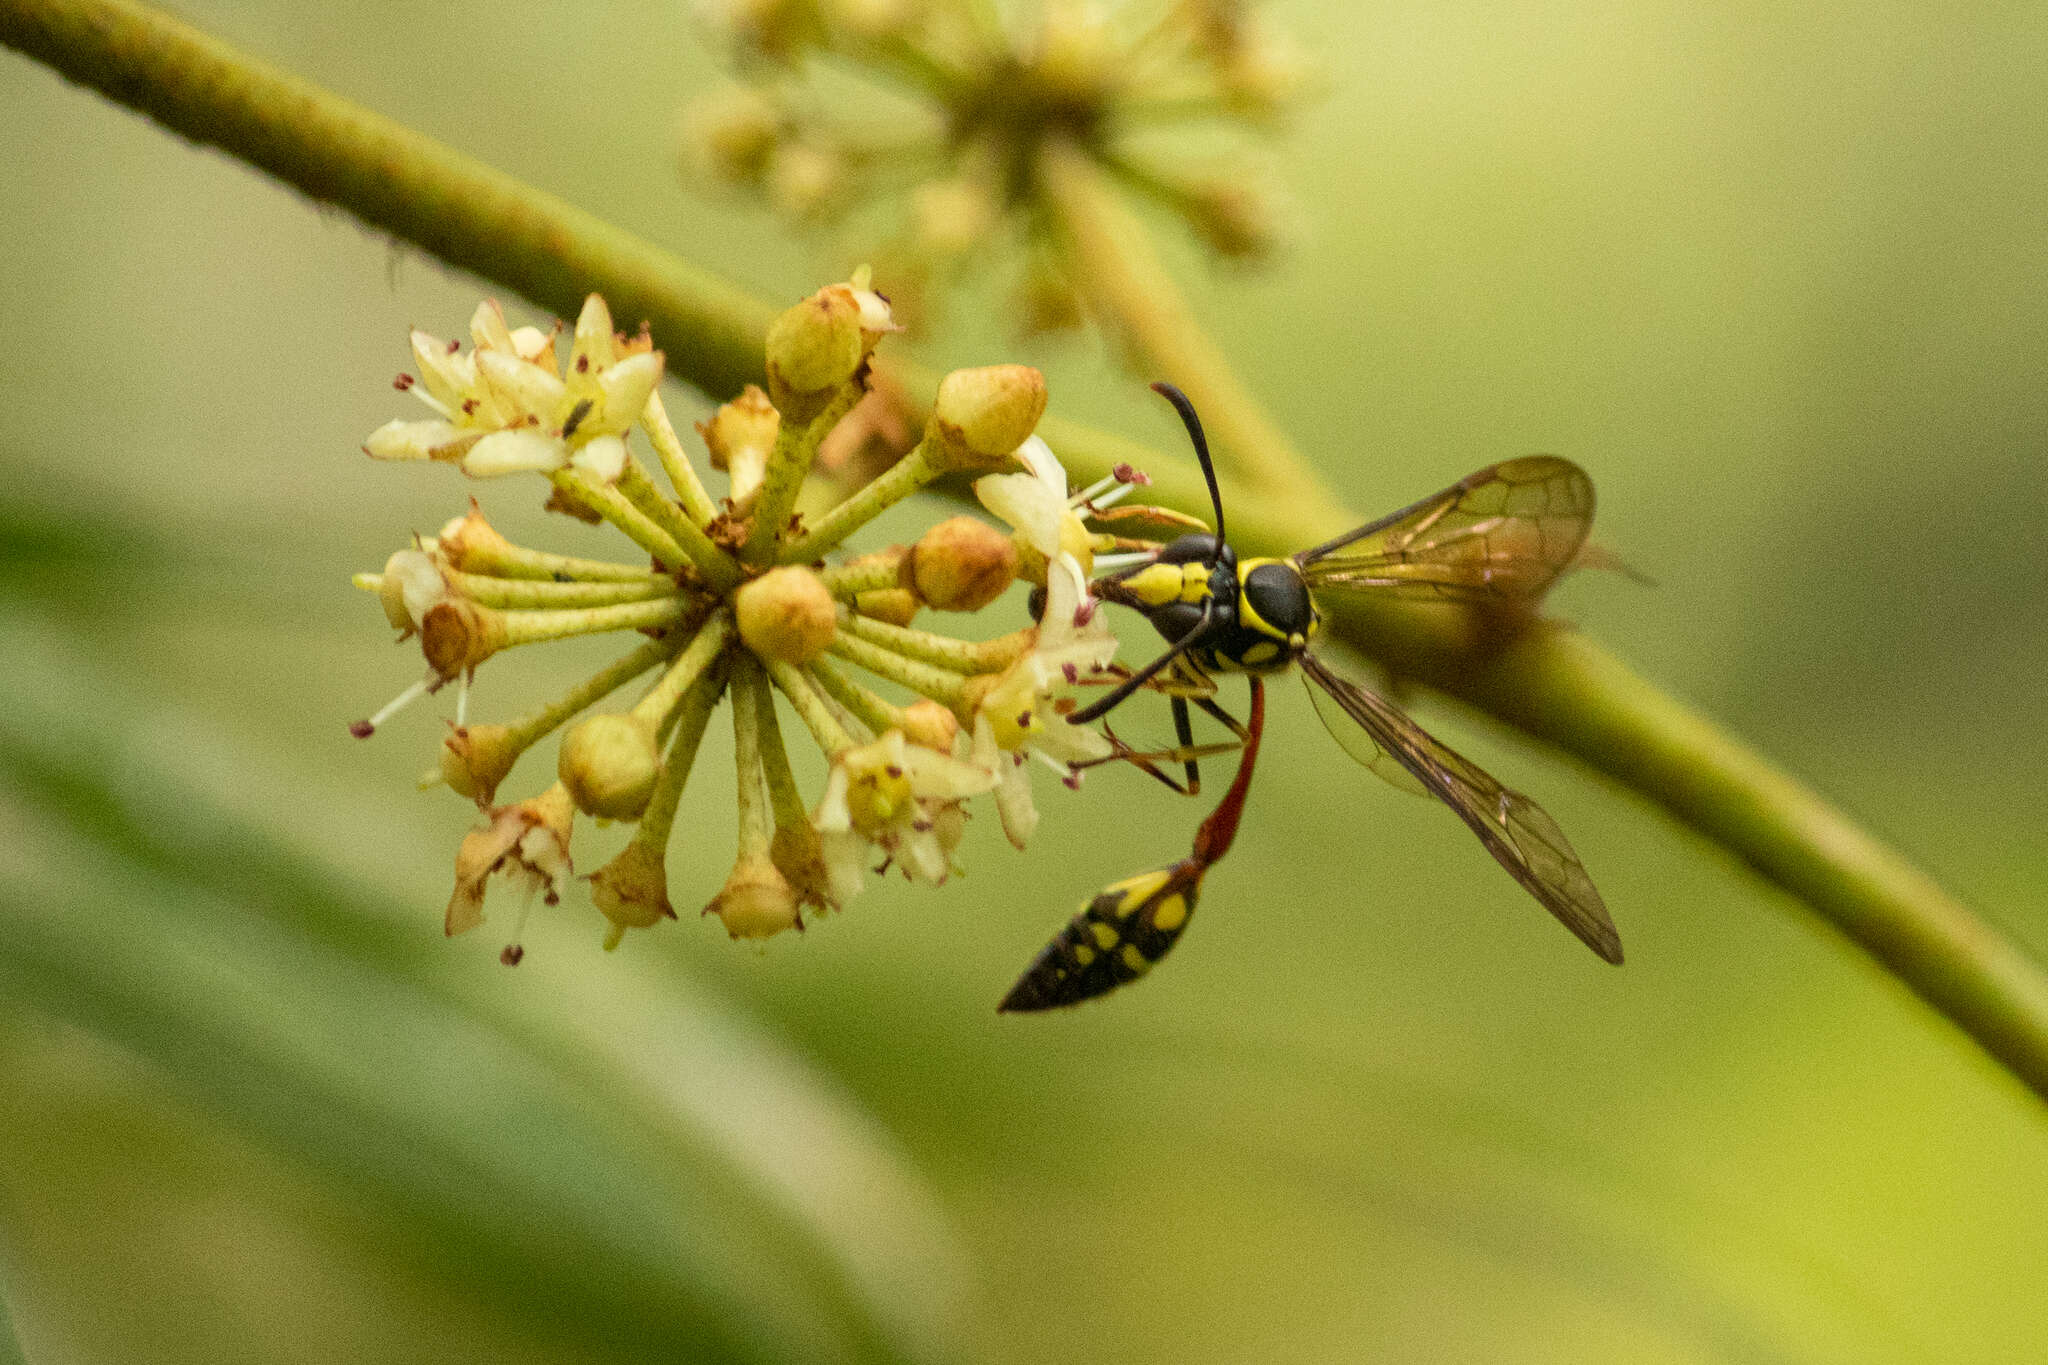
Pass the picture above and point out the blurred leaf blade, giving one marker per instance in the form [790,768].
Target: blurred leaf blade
[625,1180]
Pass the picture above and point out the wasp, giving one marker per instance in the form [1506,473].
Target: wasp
[1496,539]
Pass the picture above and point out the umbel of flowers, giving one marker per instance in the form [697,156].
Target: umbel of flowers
[972,102]
[736,598]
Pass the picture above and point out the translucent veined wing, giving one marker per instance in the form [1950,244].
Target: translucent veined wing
[1501,535]
[1352,739]
[1515,830]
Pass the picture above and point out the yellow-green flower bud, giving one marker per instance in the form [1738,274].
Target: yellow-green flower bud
[982,416]
[632,890]
[733,135]
[816,346]
[929,723]
[962,564]
[1236,219]
[807,182]
[757,901]
[476,758]
[609,764]
[787,615]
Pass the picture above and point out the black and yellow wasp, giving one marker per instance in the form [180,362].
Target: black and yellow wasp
[1496,539]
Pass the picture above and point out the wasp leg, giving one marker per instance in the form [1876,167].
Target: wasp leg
[1211,709]
[1197,633]
[1184,731]
[1148,760]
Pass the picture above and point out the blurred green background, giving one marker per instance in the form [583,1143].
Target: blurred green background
[1774,274]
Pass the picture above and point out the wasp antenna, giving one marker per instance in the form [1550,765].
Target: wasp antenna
[1194,425]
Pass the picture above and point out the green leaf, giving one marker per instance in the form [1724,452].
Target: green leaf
[613,1158]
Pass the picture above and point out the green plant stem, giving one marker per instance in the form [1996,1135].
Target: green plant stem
[909,474]
[1114,265]
[1563,689]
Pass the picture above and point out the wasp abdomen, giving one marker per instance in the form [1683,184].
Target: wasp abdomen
[1116,938]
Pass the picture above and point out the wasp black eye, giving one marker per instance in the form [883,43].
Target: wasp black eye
[1277,595]
[1188,549]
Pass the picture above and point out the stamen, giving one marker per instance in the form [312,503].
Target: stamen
[1111,498]
[1124,560]
[363,729]
[515,950]
[1093,491]
[462,700]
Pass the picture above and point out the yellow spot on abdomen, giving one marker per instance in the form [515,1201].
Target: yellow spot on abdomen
[1134,959]
[1170,914]
[1105,937]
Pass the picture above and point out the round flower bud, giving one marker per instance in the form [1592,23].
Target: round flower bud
[982,416]
[632,890]
[476,758]
[609,764]
[816,346]
[733,134]
[807,182]
[757,901]
[1234,218]
[962,564]
[786,614]
[929,723]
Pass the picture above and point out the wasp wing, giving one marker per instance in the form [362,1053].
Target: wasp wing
[1501,535]
[1515,830]
[1353,740]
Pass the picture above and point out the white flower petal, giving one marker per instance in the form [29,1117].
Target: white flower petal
[514,452]
[445,375]
[624,388]
[832,815]
[934,775]
[593,351]
[487,328]
[519,385]
[1023,502]
[399,440]
[419,582]
[1036,456]
[603,458]
[1014,804]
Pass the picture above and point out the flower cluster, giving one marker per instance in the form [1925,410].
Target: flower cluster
[990,96]
[735,598]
